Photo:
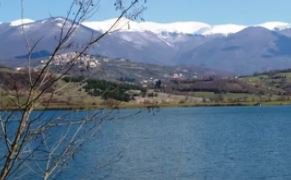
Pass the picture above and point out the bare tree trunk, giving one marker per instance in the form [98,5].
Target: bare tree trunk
[38,86]
[16,145]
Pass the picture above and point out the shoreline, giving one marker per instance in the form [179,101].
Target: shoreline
[151,106]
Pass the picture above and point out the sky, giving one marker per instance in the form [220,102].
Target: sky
[246,12]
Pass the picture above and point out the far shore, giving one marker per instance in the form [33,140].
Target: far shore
[148,106]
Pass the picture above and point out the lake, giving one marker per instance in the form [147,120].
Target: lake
[191,143]
[202,143]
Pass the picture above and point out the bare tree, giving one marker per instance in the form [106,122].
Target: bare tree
[33,142]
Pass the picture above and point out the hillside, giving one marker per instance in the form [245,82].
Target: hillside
[124,70]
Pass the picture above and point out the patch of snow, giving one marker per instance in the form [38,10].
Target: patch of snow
[43,21]
[59,19]
[21,22]
[225,29]
[60,24]
[177,27]
[275,26]
[127,37]
[105,25]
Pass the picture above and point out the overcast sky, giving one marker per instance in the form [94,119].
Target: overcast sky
[209,11]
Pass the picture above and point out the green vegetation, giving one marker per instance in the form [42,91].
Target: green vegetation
[105,89]
[73,79]
[108,90]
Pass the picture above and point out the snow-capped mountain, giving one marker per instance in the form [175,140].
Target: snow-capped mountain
[233,48]
[198,28]
[16,40]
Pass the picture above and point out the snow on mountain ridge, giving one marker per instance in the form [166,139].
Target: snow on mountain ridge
[181,27]
[189,27]
[19,22]
[275,25]
[225,29]
[128,25]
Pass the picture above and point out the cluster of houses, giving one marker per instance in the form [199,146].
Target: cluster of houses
[151,83]
[82,61]
[159,83]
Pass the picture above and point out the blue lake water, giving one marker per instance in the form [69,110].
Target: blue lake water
[190,143]
[205,143]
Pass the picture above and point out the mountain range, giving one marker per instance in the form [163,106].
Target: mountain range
[236,49]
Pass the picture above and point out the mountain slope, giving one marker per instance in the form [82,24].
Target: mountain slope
[252,50]
[233,48]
